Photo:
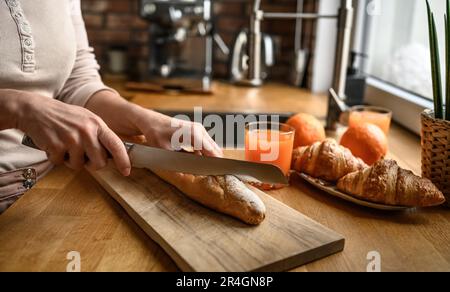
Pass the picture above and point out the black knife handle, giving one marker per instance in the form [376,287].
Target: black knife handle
[27,141]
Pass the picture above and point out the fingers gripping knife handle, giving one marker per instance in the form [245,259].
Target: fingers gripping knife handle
[27,141]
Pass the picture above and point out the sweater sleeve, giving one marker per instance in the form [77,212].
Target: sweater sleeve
[84,80]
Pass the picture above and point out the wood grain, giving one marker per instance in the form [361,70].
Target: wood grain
[68,210]
[199,239]
[276,98]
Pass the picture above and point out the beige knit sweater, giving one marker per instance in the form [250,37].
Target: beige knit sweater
[43,49]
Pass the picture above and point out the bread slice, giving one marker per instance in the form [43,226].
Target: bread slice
[226,194]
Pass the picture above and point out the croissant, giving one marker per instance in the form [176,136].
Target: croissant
[386,183]
[326,160]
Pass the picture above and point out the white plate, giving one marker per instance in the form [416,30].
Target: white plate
[332,190]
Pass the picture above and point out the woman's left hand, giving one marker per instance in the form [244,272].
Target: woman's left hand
[128,120]
[169,133]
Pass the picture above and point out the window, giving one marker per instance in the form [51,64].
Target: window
[396,43]
[394,36]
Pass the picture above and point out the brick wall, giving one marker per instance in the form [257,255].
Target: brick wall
[116,23]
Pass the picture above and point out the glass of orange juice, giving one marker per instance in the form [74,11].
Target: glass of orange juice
[269,142]
[378,116]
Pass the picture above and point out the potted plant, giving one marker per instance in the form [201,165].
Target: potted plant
[436,123]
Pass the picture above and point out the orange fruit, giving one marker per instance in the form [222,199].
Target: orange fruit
[366,141]
[308,129]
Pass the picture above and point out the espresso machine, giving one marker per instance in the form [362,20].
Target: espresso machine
[181,44]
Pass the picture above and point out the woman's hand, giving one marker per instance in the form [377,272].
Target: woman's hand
[128,120]
[60,129]
[160,131]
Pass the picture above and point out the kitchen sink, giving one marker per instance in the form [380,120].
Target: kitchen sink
[229,126]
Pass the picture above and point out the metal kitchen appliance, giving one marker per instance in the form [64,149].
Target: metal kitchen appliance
[240,59]
[251,57]
[181,44]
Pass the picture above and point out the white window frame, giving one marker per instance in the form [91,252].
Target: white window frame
[406,106]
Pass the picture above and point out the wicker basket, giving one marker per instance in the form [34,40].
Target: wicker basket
[436,152]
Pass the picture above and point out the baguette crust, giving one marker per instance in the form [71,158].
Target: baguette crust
[326,160]
[386,183]
[225,194]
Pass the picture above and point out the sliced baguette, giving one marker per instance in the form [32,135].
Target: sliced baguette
[225,194]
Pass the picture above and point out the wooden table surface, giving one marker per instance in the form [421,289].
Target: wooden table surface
[69,211]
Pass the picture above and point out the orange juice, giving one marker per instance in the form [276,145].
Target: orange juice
[371,115]
[271,147]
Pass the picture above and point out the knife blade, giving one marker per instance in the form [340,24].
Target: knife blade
[156,158]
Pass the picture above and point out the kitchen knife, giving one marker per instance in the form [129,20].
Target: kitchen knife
[155,158]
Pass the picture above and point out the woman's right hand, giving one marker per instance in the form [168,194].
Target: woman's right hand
[59,129]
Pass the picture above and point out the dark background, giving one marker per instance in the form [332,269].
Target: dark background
[116,23]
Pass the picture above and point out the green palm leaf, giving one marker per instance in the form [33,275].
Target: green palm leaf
[447,54]
[435,64]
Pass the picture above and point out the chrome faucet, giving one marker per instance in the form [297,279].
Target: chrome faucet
[345,22]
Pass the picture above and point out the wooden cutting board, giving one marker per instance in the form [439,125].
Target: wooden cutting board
[199,239]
